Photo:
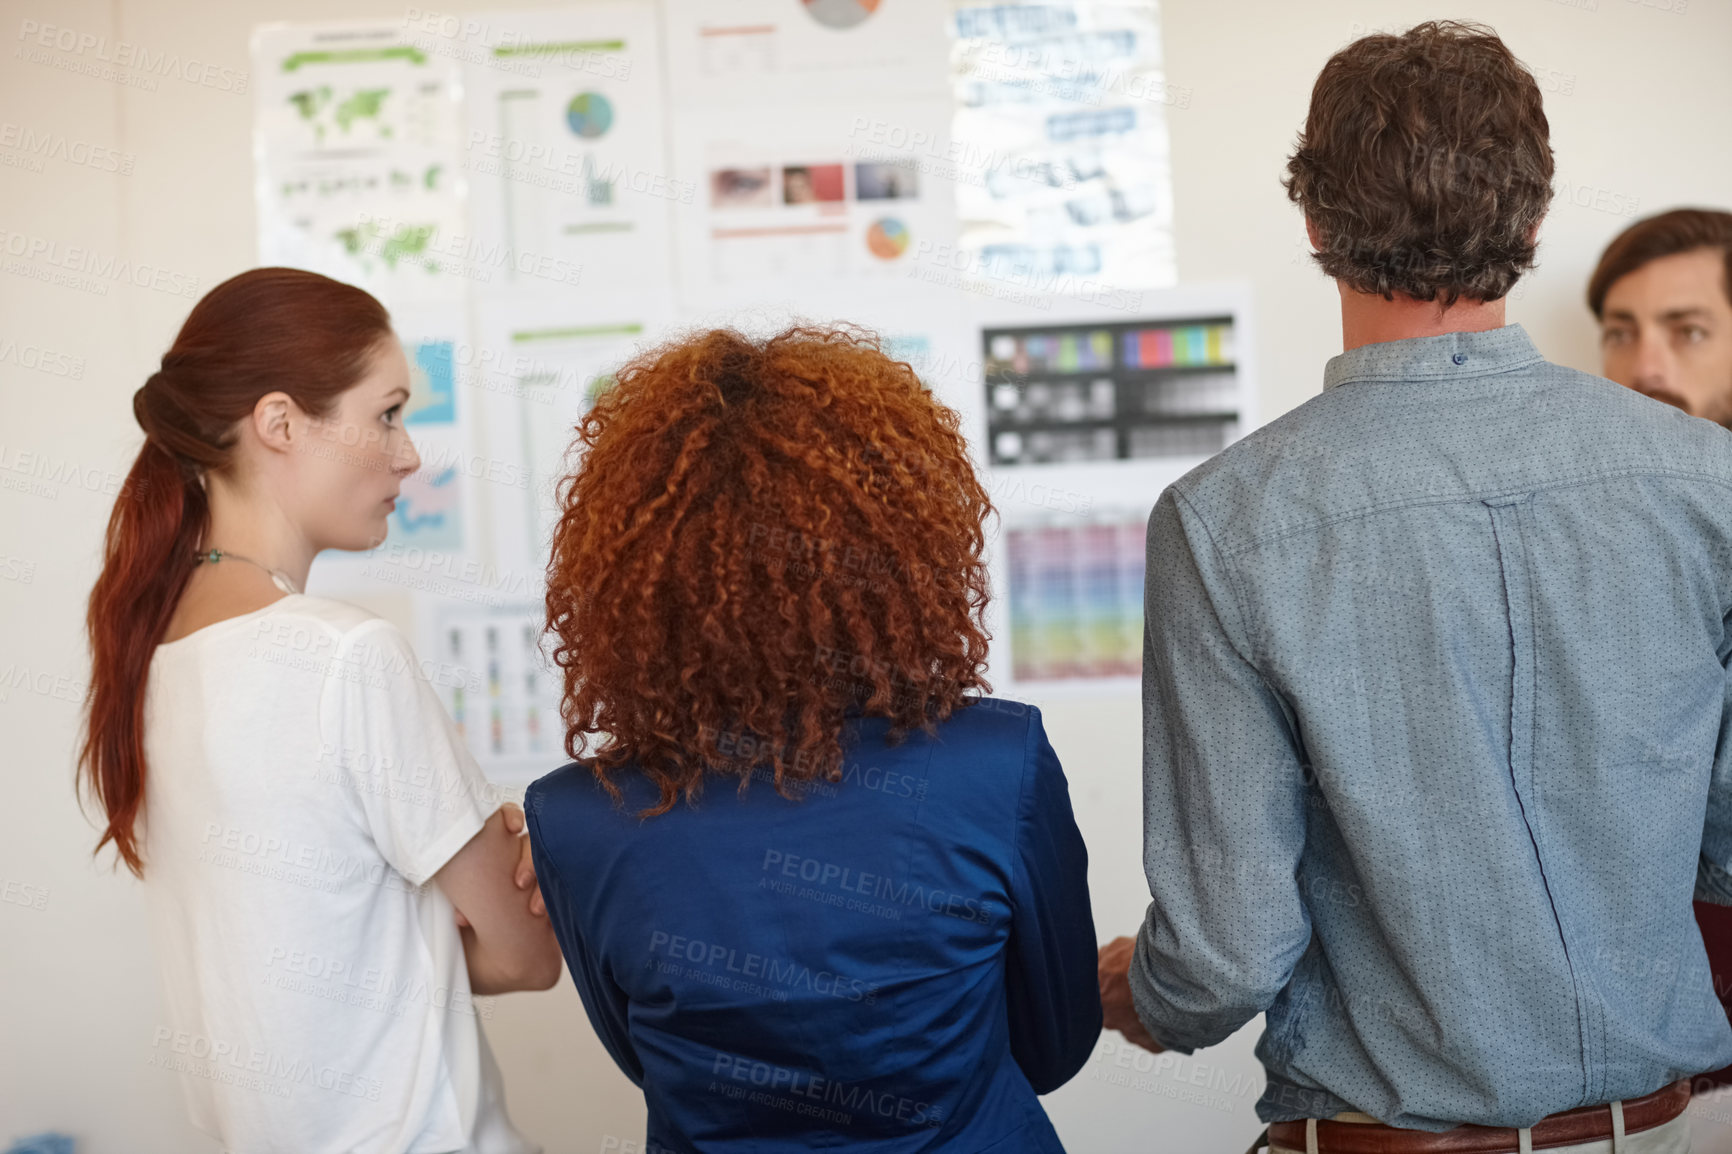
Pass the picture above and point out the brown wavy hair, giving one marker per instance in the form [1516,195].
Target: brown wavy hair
[1653,237]
[759,539]
[1425,164]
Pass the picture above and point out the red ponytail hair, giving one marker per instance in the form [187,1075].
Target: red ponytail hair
[266,330]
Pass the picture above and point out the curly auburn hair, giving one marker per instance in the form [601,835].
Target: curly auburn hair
[1425,164]
[759,539]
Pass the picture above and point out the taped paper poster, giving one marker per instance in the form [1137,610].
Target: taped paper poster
[356,146]
[1076,595]
[491,666]
[1155,387]
[550,361]
[565,152]
[779,52]
[1062,107]
[810,203]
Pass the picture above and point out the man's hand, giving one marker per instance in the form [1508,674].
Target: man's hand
[524,878]
[1118,1012]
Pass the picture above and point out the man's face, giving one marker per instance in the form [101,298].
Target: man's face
[1667,332]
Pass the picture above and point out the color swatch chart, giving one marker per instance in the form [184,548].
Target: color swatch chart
[1076,596]
[1111,392]
[1183,345]
[494,677]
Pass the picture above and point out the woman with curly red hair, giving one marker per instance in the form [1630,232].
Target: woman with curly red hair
[814,889]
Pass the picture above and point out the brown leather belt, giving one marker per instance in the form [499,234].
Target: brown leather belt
[1566,1128]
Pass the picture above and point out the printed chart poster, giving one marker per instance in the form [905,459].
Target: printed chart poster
[429,511]
[436,506]
[550,361]
[1062,105]
[565,152]
[797,200]
[492,669]
[794,51]
[432,383]
[1111,391]
[356,139]
[1076,595]
[1089,415]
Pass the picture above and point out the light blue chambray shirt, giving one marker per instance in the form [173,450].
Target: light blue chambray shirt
[1436,741]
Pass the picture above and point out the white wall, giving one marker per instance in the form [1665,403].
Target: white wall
[1639,95]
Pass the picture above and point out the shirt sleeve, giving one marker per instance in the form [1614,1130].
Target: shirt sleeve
[421,793]
[1714,866]
[603,999]
[1224,813]
[1052,981]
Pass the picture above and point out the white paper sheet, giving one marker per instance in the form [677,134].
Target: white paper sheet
[356,158]
[1062,106]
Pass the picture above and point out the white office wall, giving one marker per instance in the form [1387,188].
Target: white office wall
[1639,93]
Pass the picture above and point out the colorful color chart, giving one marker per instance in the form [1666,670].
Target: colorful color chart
[1182,345]
[497,682]
[1076,597]
[1111,391]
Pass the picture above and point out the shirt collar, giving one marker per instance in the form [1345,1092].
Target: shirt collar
[1450,356]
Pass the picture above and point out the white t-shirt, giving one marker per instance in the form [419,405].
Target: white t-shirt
[303,784]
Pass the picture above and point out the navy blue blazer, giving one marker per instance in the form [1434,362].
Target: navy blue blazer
[898,961]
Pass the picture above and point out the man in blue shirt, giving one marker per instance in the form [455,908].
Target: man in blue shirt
[1436,743]
[1662,294]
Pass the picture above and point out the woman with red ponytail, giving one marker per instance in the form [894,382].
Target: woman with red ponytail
[330,876]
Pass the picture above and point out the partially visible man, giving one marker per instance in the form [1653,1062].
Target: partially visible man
[1436,738]
[1663,297]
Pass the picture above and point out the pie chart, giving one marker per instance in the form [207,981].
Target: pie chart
[589,114]
[840,13]
[887,238]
